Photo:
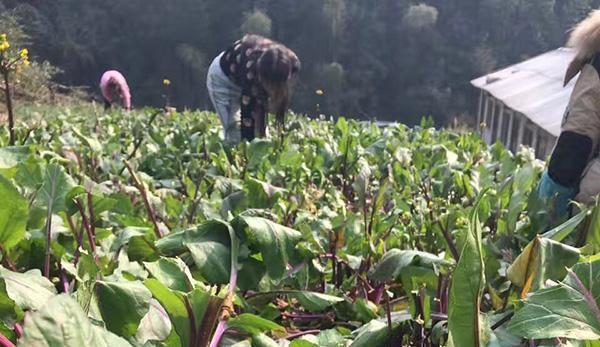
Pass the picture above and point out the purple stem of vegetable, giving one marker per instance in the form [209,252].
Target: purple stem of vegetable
[64,282]
[48,230]
[379,294]
[18,330]
[306,316]
[222,326]
[587,294]
[5,342]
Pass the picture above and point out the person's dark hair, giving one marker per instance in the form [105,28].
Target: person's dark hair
[275,69]
[274,65]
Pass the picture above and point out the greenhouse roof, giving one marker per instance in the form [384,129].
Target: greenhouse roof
[534,88]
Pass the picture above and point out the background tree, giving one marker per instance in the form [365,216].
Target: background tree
[389,59]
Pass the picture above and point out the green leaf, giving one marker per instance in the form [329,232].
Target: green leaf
[562,231]
[569,309]
[10,313]
[468,282]
[593,234]
[262,340]
[206,309]
[275,242]
[172,272]
[372,334]
[253,324]
[30,173]
[10,157]
[155,325]
[541,260]
[257,151]
[29,290]
[62,323]
[211,252]
[123,305]
[55,188]
[125,236]
[262,194]
[313,302]
[395,261]
[14,213]
[174,243]
[88,141]
[174,304]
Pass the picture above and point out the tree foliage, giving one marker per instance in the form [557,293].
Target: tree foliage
[401,59]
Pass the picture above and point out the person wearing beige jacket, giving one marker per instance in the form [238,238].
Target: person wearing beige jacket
[573,172]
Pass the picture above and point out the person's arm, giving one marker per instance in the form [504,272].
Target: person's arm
[247,105]
[556,195]
[560,182]
[126,99]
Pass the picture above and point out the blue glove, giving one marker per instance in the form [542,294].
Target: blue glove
[550,191]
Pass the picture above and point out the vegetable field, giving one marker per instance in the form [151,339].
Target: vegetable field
[144,229]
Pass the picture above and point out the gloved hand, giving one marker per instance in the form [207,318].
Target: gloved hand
[556,195]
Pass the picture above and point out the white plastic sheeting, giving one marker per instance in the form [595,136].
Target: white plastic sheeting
[534,88]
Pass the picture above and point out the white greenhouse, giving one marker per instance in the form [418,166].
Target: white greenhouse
[525,103]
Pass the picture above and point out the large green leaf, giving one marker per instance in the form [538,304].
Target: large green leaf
[62,323]
[262,194]
[55,188]
[541,260]
[30,290]
[560,232]
[123,305]
[206,310]
[253,324]
[183,309]
[14,212]
[172,272]
[257,151]
[10,157]
[174,304]
[593,234]
[395,261]
[568,309]
[468,281]
[275,242]
[312,301]
[211,252]
[262,340]
[155,325]
[373,334]
[326,338]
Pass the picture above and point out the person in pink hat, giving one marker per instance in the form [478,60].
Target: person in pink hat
[113,84]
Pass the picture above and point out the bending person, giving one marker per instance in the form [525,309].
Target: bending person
[249,79]
[113,85]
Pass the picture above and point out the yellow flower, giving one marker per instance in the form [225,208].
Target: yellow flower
[4,46]
[24,53]
[319,92]
[166,82]
[26,62]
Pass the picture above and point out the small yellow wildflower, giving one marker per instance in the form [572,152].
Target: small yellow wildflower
[24,53]
[26,62]
[319,92]
[4,46]
[166,82]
